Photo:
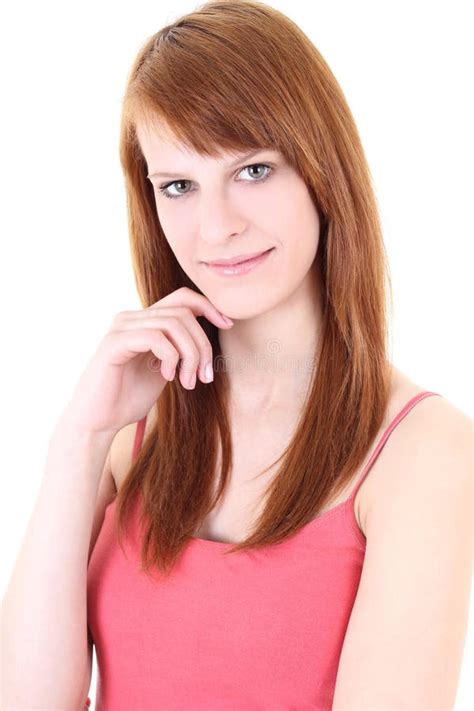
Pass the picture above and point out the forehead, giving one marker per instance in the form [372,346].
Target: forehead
[157,137]
[159,141]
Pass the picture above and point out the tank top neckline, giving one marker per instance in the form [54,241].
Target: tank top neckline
[203,544]
[344,507]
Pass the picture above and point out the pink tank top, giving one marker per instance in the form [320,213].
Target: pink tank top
[260,631]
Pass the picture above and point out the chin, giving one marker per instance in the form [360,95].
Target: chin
[242,302]
[241,312]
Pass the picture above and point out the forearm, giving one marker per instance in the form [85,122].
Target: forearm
[44,610]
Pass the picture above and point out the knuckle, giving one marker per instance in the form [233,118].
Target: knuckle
[158,334]
[184,311]
[153,310]
[173,357]
[191,361]
[110,337]
[174,321]
[205,349]
[119,318]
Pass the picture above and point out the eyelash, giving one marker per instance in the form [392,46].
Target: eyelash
[163,188]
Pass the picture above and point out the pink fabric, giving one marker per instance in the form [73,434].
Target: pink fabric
[258,631]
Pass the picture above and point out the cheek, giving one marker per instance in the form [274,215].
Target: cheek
[176,231]
[182,250]
[291,218]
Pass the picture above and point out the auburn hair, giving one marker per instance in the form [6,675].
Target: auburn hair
[237,75]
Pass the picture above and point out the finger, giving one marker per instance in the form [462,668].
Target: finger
[167,354]
[198,303]
[187,317]
[177,333]
[123,346]
[202,342]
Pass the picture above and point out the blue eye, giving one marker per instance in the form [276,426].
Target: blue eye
[164,188]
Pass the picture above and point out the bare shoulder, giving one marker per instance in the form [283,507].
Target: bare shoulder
[122,448]
[433,427]
[435,445]
[405,638]
[433,419]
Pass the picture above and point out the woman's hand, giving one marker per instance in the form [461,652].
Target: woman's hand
[138,356]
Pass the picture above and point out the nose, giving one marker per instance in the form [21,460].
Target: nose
[219,220]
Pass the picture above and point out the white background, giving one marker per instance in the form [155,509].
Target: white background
[65,261]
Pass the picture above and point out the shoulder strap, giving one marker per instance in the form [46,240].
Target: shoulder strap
[403,412]
[139,432]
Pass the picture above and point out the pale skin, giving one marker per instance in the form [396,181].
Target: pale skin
[404,643]
[223,211]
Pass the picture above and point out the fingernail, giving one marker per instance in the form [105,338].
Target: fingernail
[226,319]
[192,381]
[208,372]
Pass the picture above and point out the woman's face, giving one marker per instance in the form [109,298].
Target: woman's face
[212,209]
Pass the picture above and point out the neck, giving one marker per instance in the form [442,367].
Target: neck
[270,359]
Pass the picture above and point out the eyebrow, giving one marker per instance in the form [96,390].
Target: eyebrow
[231,165]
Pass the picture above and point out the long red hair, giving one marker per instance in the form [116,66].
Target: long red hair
[234,75]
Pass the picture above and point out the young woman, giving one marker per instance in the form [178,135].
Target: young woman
[207,505]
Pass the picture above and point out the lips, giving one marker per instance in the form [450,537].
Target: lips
[231,261]
[241,268]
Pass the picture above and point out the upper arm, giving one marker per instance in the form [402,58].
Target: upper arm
[105,495]
[116,467]
[405,638]
[117,464]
